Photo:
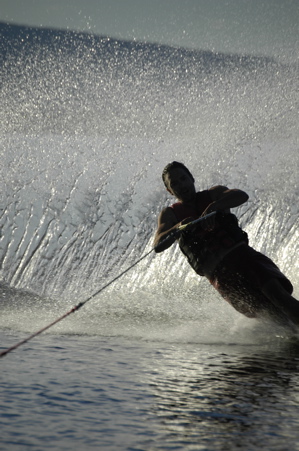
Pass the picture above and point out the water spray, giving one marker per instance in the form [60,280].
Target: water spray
[173,235]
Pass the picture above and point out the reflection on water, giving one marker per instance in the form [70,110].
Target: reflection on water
[76,392]
[240,398]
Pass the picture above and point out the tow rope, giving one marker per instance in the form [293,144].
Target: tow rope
[172,235]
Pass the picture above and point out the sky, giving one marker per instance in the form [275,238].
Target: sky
[254,27]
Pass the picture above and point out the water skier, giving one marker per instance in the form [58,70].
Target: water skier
[218,248]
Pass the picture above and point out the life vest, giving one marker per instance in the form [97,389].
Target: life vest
[205,249]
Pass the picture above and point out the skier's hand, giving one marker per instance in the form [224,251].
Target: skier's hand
[185,223]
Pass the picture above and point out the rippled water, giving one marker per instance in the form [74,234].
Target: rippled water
[68,392]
